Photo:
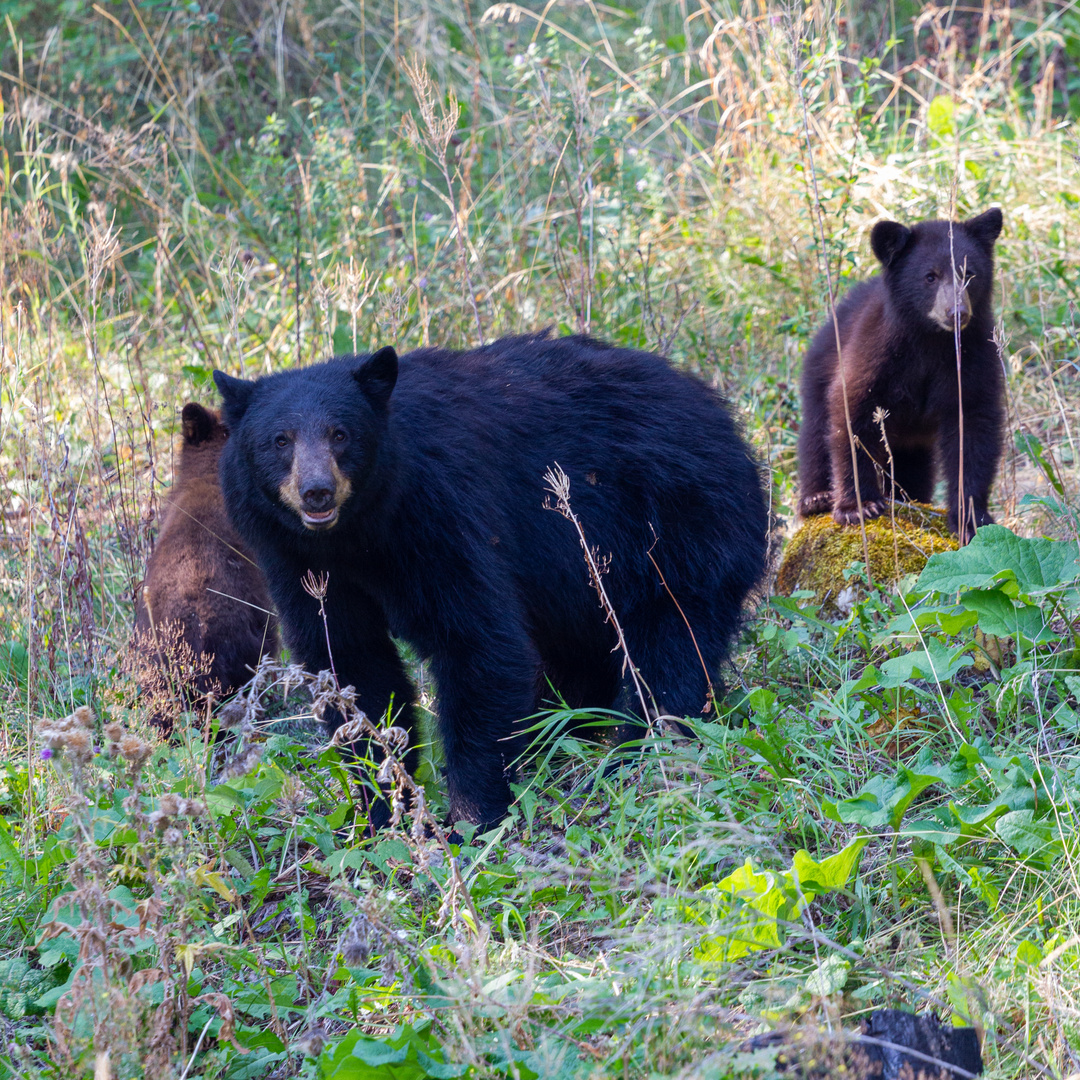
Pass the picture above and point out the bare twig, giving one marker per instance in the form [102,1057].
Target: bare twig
[822,239]
[880,416]
[558,483]
[316,588]
[440,122]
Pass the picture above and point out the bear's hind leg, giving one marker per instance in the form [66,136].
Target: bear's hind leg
[487,686]
[585,679]
[666,657]
[815,474]
[914,472]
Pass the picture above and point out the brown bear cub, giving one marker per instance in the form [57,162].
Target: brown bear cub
[899,334]
[202,591]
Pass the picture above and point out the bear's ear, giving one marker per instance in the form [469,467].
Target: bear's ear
[377,376]
[198,423]
[888,239]
[235,396]
[985,228]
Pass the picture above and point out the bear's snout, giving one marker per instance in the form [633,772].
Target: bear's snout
[951,304]
[315,488]
[317,499]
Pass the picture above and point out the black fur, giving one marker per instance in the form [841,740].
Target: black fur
[445,541]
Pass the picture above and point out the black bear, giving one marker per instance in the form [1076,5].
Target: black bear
[202,589]
[899,334]
[417,485]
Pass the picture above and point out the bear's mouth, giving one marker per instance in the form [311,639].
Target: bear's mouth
[319,519]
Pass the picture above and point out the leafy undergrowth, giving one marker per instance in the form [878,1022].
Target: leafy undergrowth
[218,907]
[881,813]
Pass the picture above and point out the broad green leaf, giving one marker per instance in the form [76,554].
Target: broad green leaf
[882,801]
[750,906]
[930,831]
[1030,837]
[941,116]
[831,873]
[1003,617]
[1028,955]
[950,619]
[980,882]
[376,1052]
[1066,718]
[407,1055]
[967,998]
[996,554]
[223,800]
[937,662]
[984,886]
[975,819]
[829,977]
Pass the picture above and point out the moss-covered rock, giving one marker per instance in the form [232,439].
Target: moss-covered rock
[817,554]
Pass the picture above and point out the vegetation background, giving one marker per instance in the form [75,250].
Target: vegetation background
[883,813]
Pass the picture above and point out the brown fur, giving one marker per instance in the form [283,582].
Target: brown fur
[202,590]
[898,339]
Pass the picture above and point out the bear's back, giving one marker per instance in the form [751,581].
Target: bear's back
[650,452]
[553,389]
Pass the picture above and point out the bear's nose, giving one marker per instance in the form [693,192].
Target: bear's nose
[318,499]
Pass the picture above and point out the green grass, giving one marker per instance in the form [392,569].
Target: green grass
[249,186]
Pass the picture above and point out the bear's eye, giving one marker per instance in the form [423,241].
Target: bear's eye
[281,442]
[931,277]
[338,436]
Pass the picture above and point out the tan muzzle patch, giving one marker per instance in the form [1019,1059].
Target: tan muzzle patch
[314,467]
[950,302]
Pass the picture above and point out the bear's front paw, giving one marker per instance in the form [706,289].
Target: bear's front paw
[848,514]
[818,503]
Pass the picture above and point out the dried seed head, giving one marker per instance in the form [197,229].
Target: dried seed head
[79,746]
[231,715]
[292,676]
[314,586]
[312,1041]
[172,837]
[395,739]
[243,763]
[114,731]
[323,683]
[158,820]
[356,942]
[193,808]
[169,804]
[134,749]
[294,797]
[350,731]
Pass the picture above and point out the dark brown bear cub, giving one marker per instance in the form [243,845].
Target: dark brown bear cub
[898,335]
[202,589]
